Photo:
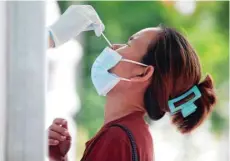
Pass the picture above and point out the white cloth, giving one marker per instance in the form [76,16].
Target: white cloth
[76,19]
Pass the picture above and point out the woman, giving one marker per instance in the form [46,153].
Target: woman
[155,73]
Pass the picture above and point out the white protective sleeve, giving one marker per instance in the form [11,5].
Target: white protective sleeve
[76,19]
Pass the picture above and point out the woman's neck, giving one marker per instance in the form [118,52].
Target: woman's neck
[116,108]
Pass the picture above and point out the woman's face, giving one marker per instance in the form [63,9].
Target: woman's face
[135,49]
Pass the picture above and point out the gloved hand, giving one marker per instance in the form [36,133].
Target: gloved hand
[76,19]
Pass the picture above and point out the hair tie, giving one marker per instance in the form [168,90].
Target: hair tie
[188,107]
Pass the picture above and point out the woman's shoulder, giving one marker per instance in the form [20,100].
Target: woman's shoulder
[115,133]
[111,144]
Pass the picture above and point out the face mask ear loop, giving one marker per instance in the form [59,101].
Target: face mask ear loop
[124,79]
[134,62]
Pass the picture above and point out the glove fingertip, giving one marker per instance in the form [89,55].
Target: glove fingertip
[99,30]
[98,34]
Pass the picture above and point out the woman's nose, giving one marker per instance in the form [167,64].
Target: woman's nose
[117,46]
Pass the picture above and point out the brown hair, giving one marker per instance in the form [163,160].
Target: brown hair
[176,70]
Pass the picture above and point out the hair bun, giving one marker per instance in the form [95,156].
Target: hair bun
[207,91]
[204,105]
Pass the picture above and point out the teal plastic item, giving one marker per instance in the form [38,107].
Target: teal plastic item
[186,108]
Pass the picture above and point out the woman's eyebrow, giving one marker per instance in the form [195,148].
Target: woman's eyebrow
[134,36]
[131,37]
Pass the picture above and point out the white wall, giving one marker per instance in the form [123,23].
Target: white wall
[3,77]
[24,89]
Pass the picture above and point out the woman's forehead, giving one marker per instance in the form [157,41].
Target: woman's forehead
[148,31]
[147,36]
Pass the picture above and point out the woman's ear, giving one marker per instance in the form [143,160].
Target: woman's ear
[146,75]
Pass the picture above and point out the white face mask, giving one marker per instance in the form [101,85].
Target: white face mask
[103,80]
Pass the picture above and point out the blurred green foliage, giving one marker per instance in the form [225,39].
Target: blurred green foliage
[207,29]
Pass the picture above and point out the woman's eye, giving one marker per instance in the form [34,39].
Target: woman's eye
[131,38]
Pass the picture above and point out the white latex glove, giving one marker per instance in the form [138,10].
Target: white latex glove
[76,19]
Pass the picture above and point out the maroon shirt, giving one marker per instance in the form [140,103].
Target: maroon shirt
[112,143]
